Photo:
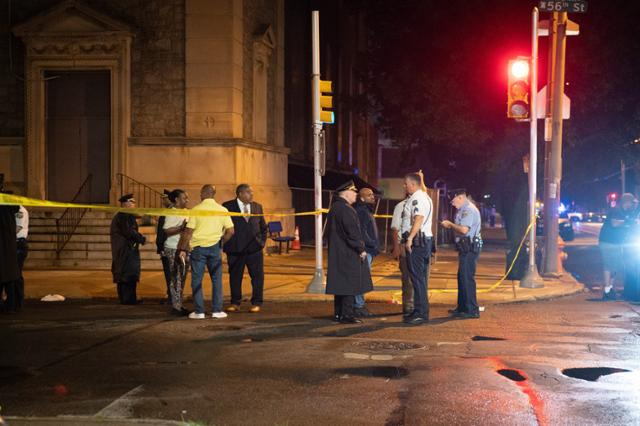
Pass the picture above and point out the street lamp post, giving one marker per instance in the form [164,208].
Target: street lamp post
[531,277]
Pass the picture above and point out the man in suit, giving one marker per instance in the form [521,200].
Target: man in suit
[245,248]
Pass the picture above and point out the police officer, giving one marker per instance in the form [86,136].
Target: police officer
[468,243]
[417,239]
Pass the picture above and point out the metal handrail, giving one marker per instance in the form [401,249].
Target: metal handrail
[145,195]
[67,223]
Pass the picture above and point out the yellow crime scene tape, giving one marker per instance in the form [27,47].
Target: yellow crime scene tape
[397,297]
[16,200]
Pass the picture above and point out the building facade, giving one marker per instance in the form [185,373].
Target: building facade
[171,93]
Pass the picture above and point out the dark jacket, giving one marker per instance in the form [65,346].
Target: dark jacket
[347,273]
[161,235]
[621,233]
[125,255]
[368,227]
[8,248]
[248,236]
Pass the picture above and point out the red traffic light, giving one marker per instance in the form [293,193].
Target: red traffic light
[518,89]
[519,69]
[613,195]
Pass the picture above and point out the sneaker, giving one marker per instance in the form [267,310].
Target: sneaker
[609,295]
[196,315]
[219,315]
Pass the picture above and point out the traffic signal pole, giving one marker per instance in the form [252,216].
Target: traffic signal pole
[531,278]
[558,29]
[318,283]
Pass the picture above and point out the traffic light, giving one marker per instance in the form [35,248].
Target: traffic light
[326,102]
[518,89]
[612,199]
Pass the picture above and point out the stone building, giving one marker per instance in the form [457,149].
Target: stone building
[150,94]
[166,92]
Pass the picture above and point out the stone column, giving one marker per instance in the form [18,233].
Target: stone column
[214,90]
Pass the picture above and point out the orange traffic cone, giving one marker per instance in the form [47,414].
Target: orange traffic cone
[295,244]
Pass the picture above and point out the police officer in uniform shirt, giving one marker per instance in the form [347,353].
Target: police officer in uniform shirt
[417,239]
[468,243]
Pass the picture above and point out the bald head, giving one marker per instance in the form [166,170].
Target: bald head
[367,196]
[207,191]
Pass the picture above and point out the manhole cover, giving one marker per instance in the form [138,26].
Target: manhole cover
[480,338]
[388,346]
[512,374]
[592,374]
[386,372]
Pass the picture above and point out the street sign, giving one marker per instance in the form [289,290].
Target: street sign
[571,6]
[541,107]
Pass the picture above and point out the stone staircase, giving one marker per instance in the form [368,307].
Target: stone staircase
[89,247]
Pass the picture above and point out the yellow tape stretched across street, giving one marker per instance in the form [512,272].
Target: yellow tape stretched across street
[17,200]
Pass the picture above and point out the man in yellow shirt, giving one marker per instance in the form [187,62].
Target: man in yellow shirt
[206,234]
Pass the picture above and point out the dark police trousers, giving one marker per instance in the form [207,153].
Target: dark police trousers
[343,306]
[418,265]
[467,301]
[127,292]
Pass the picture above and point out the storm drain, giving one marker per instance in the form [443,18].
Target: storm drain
[513,375]
[484,338]
[376,346]
[592,374]
[385,372]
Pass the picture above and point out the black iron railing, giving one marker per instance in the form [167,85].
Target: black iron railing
[145,196]
[67,223]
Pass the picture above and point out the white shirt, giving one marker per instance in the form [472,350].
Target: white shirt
[22,219]
[241,205]
[171,222]
[396,220]
[418,204]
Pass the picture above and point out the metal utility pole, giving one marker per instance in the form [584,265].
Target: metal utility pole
[318,283]
[531,278]
[552,201]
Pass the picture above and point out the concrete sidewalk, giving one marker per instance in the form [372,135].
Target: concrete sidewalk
[286,278]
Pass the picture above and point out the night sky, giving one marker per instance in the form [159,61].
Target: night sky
[440,68]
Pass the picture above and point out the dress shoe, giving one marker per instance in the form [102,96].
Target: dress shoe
[408,314]
[233,308]
[415,320]
[454,311]
[466,315]
[254,309]
[350,320]
[362,312]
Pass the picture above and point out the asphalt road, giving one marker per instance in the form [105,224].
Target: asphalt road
[583,255]
[291,365]
[85,361]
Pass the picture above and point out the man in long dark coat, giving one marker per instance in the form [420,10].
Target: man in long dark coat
[125,241]
[9,272]
[348,272]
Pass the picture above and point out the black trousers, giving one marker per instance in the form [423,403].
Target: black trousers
[15,289]
[166,268]
[467,301]
[343,306]
[255,264]
[127,292]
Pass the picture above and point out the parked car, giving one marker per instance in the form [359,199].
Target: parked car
[565,228]
[575,216]
[594,217]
